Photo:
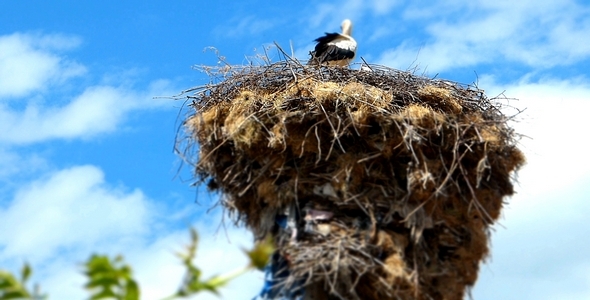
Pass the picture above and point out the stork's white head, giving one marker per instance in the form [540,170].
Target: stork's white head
[346,27]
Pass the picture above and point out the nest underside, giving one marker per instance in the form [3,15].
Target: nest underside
[413,171]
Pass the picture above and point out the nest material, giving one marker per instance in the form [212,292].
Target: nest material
[413,169]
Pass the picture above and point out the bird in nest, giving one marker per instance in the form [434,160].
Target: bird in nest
[335,49]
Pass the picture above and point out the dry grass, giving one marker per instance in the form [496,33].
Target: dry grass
[414,169]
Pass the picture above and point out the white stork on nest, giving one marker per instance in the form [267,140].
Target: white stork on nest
[335,49]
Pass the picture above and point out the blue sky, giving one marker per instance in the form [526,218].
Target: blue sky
[86,160]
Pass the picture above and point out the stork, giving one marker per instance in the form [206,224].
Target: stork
[335,49]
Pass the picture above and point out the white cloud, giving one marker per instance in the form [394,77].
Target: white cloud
[536,255]
[332,12]
[154,265]
[14,164]
[459,34]
[31,65]
[247,25]
[428,57]
[56,223]
[159,272]
[99,109]
[71,209]
[554,122]
[381,7]
[534,252]
[29,62]
[221,253]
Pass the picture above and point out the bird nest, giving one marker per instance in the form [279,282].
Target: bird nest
[390,181]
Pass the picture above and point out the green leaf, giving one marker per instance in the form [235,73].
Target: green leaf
[102,281]
[132,290]
[106,293]
[15,295]
[11,288]
[192,283]
[110,278]
[216,282]
[194,236]
[26,273]
[6,280]
[261,253]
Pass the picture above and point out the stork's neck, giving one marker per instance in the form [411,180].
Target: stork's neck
[347,28]
[347,31]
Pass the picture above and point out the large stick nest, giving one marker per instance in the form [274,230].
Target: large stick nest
[413,169]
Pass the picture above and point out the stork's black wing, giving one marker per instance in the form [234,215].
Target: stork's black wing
[326,51]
